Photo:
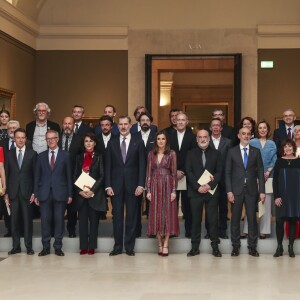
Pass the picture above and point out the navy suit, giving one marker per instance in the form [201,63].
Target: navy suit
[280,135]
[124,178]
[83,129]
[52,189]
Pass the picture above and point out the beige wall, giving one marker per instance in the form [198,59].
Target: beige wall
[17,67]
[278,88]
[89,78]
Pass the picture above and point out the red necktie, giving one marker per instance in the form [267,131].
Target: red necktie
[289,134]
[52,160]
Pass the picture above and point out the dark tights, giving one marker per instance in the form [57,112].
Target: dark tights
[280,230]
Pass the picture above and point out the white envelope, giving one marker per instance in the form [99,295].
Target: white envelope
[269,186]
[206,178]
[85,181]
[181,185]
[261,209]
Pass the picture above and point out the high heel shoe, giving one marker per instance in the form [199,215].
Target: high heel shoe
[279,251]
[291,251]
[83,251]
[160,247]
[165,253]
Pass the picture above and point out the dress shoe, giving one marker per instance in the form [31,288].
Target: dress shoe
[291,251]
[59,252]
[91,252]
[165,252]
[8,234]
[223,236]
[83,251]
[44,252]
[30,252]
[159,250]
[138,235]
[14,251]
[115,252]
[279,251]
[188,235]
[235,251]
[243,236]
[207,236]
[216,252]
[72,235]
[193,252]
[262,236]
[130,252]
[253,252]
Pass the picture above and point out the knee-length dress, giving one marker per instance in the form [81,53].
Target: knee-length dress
[161,181]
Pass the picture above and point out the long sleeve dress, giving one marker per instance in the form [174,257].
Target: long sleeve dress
[161,181]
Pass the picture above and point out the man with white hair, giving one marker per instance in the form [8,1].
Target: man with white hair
[36,130]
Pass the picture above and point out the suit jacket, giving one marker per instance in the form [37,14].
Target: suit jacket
[100,147]
[98,202]
[30,128]
[20,179]
[150,141]
[194,169]
[83,129]
[126,176]
[59,180]
[279,136]
[236,175]
[134,128]
[5,144]
[188,143]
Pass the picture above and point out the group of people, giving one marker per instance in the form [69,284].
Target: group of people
[129,162]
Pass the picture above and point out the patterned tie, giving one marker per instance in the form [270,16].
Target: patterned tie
[123,150]
[289,133]
[245,158]
[12,146]
[67,143]
[203,158]
[76,128]
[20,158]
[52,160]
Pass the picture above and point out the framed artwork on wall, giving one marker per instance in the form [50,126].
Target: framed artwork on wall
[8,102]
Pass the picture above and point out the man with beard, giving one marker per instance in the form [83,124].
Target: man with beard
[137,127]
[70,142]
[80,128]
[147,135]
[125,171]
[197,161]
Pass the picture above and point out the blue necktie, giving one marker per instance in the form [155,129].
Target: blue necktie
[245,158]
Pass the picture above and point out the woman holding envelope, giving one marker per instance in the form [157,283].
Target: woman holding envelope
[161,192]
[268,153]
[90,198]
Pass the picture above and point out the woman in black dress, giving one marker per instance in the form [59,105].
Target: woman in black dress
[286,191]
[91,201]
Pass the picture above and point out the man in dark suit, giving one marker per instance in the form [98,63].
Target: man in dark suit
[181,141]
[72,143]
[222,144]
[19,169]
[286,131]
[125,170]
[173,121]
[36,130]
[53,188]
[137,126]
[80,128]
[109,110]
[244,167]
[197,161]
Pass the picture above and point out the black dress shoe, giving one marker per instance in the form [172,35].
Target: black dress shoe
[291,251]
[14,251]
[188,235]
[235,251]
[253,252]
[59,252]
[130,253]
[244,236]
[30,252]
[207,236]
[8,234]
[72,235]
[115,252]
[262,237]
[193,252]
[44,252]
[223,236]
[279,251]
[216,252]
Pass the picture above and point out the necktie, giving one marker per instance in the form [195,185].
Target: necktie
[12,146]
[76,128]
[52,160]
[67,143]
[245,158]
[123,150]
[289,133]
[203,158]
[20,158]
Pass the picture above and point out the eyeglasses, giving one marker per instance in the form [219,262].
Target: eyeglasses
[41,111]
[51,139]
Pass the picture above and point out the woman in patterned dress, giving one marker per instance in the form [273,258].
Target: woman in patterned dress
[161,192]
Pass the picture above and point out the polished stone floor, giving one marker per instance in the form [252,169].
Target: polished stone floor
[148,276]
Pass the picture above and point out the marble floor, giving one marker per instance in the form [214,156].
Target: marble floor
[148,276]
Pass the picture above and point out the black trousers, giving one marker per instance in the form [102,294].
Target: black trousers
[211,207]
[21,209]
[130,202]
[186,210]
[51,209]
[88,226]
[236,213]
[139,216]
[72,218]
[280,229]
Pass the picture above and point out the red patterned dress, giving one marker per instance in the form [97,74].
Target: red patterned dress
[161,182]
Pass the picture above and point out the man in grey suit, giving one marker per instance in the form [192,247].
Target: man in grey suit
[244,167]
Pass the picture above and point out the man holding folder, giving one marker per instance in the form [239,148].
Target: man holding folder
[203,171]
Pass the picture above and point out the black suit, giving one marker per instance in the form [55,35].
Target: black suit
[194,170]
[20,186]
[30,128]
[83,129]
[75,148]
[280,135]
[243,184]
[188,143]
[88,210]
[124,178]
